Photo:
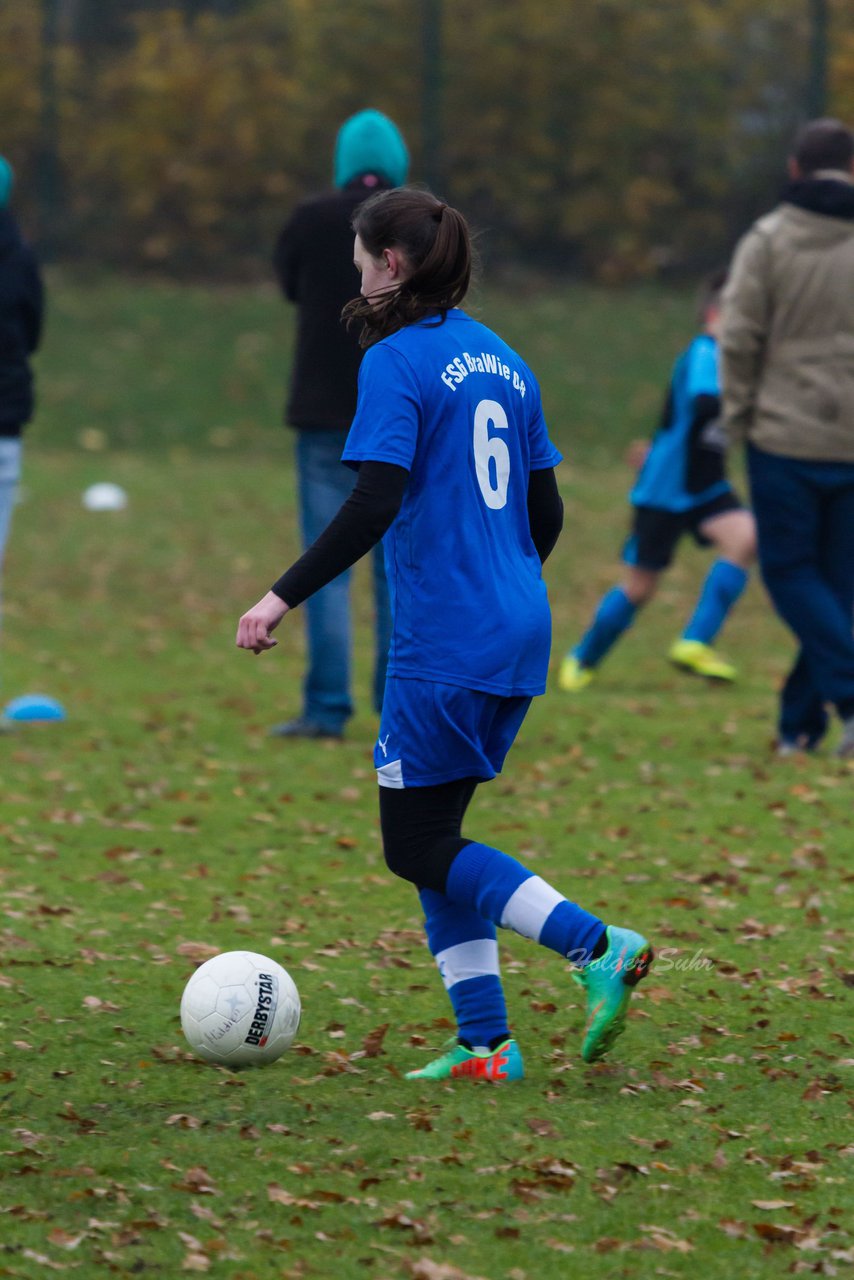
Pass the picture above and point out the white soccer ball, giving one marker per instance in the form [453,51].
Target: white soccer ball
[105,497]
[240,1009]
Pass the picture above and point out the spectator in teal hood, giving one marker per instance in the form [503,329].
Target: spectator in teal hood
[313,261]
[370,144]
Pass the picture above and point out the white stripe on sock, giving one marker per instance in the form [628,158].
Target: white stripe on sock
[528,909]
[467,960]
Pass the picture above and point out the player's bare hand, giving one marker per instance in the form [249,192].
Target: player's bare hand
[255,627]
[636,454]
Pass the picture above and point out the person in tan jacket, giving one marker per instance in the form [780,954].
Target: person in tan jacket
[787,372]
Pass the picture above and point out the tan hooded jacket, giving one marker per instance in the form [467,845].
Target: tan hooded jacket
[787,336]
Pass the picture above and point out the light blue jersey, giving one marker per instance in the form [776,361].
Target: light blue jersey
[458,408]
[685,464]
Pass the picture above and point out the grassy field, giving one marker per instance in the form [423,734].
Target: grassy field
[160,823]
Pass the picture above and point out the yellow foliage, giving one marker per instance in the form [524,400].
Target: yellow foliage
[604,134]
[20,30]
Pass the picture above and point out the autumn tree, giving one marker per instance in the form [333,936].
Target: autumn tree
[609,137]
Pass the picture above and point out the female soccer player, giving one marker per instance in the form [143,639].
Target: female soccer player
[681,488]
[455,471]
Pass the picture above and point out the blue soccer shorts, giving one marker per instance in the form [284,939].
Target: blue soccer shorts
[432,733]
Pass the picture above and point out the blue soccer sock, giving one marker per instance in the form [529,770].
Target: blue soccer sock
[724,584]
[466,951]
[615,614]
[502,890]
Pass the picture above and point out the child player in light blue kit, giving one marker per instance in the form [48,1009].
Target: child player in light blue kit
[456,473]
[681,488]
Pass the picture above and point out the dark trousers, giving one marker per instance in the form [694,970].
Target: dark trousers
[805,521]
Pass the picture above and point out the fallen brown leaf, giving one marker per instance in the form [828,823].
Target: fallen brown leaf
[372,1045]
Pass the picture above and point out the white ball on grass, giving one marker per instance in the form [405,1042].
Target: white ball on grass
[105,496]
[240,1009]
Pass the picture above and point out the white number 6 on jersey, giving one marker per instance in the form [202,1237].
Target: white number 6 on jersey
[491,413]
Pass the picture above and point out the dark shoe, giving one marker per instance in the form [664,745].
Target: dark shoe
[302,728]
[786,748]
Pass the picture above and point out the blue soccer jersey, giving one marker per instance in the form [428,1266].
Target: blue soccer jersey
[458,408]
[685,464]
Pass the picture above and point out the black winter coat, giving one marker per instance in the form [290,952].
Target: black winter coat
[313,261]
[21,311]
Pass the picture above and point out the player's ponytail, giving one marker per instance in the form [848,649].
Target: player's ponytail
[435,241]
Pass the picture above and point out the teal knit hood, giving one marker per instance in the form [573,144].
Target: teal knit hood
[6,181]
[370,143]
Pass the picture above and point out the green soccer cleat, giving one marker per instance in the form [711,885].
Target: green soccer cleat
[609,982]
[572,677]
[502,1064]
[700,660]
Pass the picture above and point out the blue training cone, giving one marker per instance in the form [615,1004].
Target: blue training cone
[33,708]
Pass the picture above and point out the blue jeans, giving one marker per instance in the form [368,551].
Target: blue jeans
[805,520]
[324,484]
[10,472]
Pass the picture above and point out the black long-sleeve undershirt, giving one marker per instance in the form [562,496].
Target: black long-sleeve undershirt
[371,509]
[545,511]
[358,526]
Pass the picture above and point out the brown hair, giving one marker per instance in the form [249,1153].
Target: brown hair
[435,241]
[823,144]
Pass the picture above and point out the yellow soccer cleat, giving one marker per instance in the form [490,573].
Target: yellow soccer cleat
[700,660]
[572,677]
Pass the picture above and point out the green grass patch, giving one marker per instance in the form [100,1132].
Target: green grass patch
[162,368]
[160,818]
